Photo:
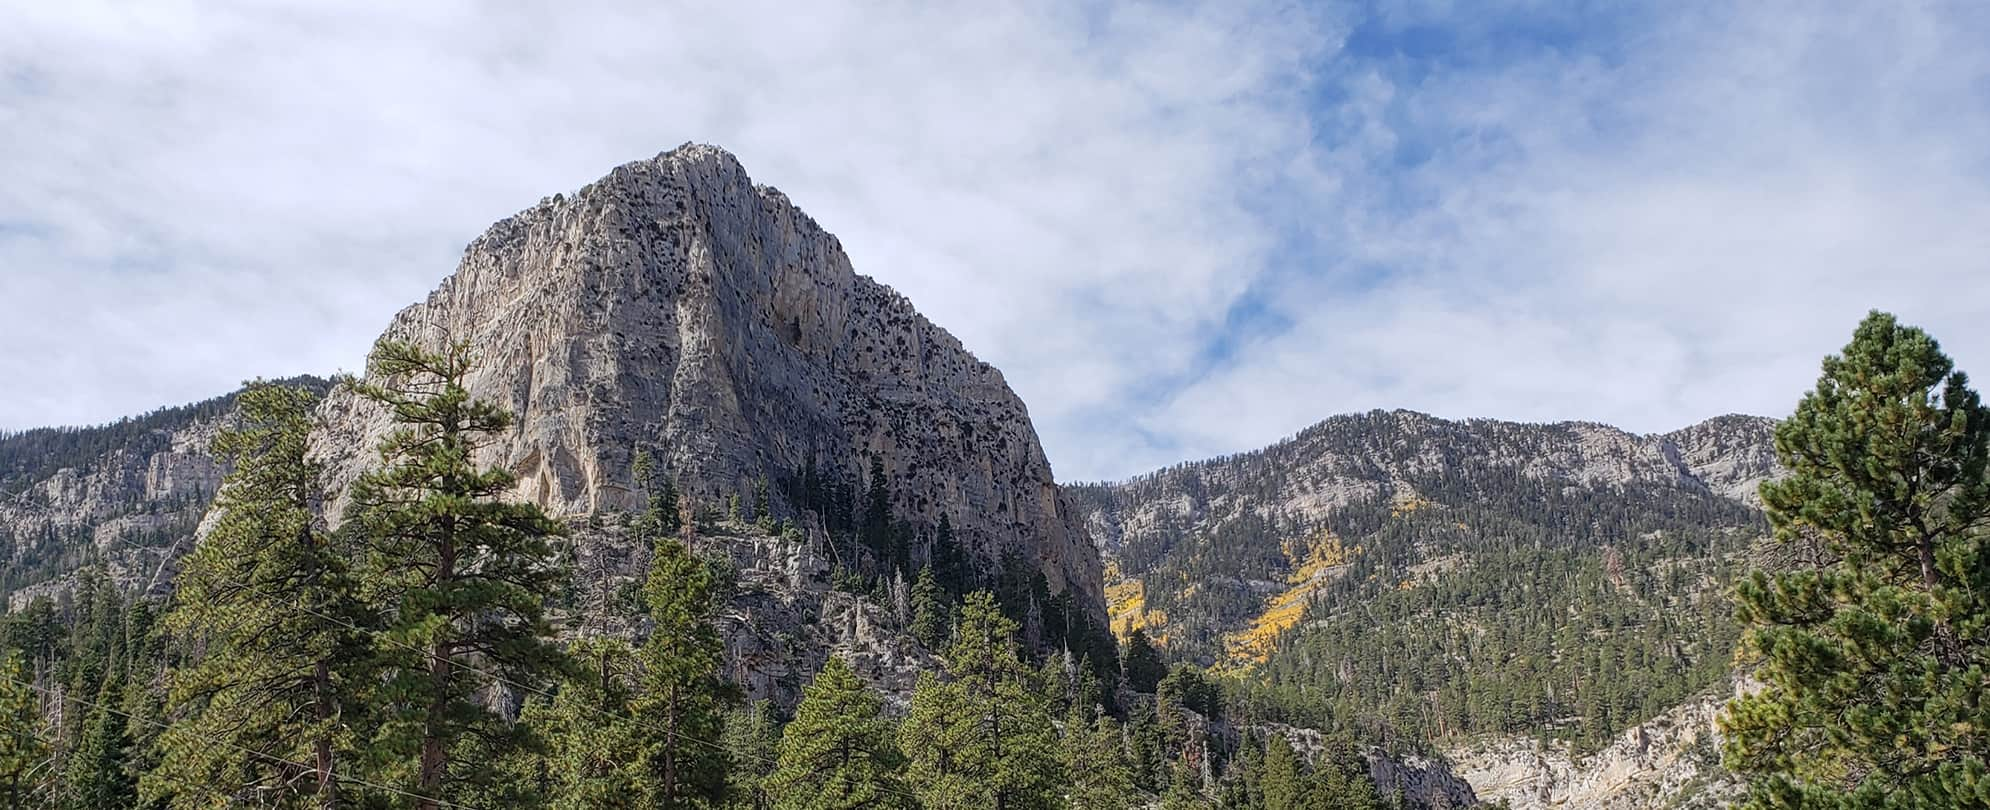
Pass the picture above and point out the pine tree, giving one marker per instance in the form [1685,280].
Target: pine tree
[681,698]
[762,510]
[752,742]
[1871,644]
[931,619]
[950,564]
[144,698]
[1282,783]
[267,603]
[96,776]
[1095,756]
[24,748]
[877,512]
[592,745]
[1184,788]
[838,753]
[1142,663]
[1242,785]
[458,574]
[984,738]
[662,513]
[1340,780]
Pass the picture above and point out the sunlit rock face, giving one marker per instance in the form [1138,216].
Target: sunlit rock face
[674,306]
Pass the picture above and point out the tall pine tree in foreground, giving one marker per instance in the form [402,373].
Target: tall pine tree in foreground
[266,604]
[680,699]
[592,747]
[459,574]
[984,737]
[1095,756]
[752,741]
[1871,643]
[838,752]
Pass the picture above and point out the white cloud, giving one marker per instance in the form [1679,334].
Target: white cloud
[218,190]
[1647,233]
[1645,242]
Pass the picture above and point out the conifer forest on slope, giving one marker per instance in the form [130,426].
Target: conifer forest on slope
[418,655]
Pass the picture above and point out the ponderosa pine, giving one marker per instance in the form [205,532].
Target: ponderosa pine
[838,753]
[458,573]
[679,697]
[1871,641]
[983,738]
[267,605]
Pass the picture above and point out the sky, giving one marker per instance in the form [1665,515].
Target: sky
[1180,230]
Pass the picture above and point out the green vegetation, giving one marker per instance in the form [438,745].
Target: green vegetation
[838,753]
[27,457]
[1457,599]
[982,737]
[272,606]
[407,660]
[1871,636]
[457,576]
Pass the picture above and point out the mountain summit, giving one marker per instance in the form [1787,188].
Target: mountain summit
[672,307]
[676,307]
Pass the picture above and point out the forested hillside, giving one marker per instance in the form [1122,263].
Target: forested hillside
[445,648]
[73,496]
[1413,578]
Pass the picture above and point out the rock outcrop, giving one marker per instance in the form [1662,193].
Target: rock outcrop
[1278,558]
[127,495]
[1671,762]
[675,306]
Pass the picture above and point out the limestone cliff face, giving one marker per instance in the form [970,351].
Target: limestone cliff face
[128,495]
[1730,455]
[1671,762]
[674,305]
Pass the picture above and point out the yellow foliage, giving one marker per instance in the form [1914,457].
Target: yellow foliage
[1312,562]
[1126,602]
[1406,504]
[1126,605]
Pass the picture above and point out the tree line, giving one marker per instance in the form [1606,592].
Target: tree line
[407,660]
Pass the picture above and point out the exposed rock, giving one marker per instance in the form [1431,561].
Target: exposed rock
[1671,762]
[1349,458]
[1730,455]
[125,506]
[1422,781]
[671,306]
[674,305]
[781,619]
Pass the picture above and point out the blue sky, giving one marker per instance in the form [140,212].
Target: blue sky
[1179,230]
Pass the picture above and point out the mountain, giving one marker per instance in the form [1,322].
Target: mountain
[1538,603]
[123,495]
[1421,579]
[677,308]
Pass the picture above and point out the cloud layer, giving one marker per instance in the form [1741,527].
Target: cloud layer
[1178,231]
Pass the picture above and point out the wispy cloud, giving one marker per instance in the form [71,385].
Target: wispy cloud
[1646,224]
[1178,230]
[200,192]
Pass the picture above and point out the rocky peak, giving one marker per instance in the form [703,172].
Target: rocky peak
[1732,455]
[677,307]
